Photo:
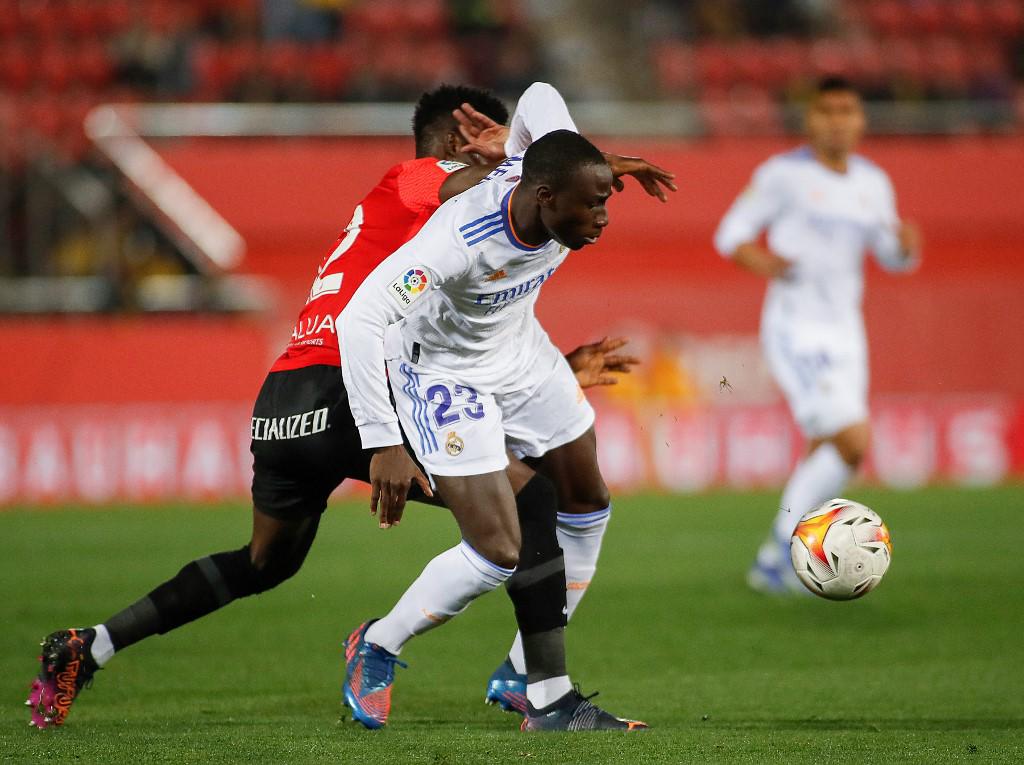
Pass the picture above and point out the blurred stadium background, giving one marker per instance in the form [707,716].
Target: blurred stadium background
[171,172]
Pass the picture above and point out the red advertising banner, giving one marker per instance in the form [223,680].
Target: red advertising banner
[97,454]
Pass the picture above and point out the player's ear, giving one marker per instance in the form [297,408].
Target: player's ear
[453,143]
[545,196]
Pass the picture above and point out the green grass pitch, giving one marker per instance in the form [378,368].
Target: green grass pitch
[929,668]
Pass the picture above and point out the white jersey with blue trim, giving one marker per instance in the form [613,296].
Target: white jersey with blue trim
[823,222]
[465,286]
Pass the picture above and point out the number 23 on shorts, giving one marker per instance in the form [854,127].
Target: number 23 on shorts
[449,405]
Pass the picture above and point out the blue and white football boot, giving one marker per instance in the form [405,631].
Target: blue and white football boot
[772,572]
[507,689]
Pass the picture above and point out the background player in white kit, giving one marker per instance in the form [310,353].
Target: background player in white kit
[823,208]
[472,372]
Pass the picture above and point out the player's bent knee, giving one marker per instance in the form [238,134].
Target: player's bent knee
[271,566]
[589,499]
[500,549]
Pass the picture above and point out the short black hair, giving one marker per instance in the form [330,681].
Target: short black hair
[435,107]
[552,159]
[835,83]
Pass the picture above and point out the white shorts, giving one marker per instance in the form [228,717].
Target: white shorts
[823,372]
[458,430]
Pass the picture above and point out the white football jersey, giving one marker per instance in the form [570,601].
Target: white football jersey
[465,286]
[823,222]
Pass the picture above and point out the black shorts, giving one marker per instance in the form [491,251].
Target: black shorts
[304,442]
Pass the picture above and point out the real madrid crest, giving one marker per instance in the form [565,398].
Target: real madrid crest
[454,445]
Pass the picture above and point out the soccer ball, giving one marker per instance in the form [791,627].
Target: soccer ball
[841,549]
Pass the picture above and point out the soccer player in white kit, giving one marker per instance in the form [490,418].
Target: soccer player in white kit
[450,317]
[823,208]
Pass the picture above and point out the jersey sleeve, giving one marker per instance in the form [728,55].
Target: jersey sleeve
[400,285]
[884,239]
[541,110]
[419,182]
[754,209]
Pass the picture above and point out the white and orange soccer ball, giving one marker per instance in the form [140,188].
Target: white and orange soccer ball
[841,549]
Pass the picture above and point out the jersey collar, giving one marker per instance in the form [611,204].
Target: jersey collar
[506,222]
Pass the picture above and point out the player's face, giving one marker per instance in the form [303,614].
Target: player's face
[576,215]
[835,122]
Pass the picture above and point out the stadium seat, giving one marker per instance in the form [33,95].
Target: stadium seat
[966,17]
[888,17]
[674,68]
[789,59]
[1004,18]
[829,57]
[57,70]
[16,66]
[714,66]
[926,17]
[330,68]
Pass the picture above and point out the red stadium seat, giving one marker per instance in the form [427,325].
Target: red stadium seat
[946,63]
[57,70]
[905,58]
[330,68]
[43,20]
[1004,18]
[749,62]
[790,60]
[674,68]
[927,17]
[428,18]
[888,17]
[830,57]
[714,66]
[17,67]
[439,61]
[283,61]
[967,18]
[94,66]
[866,62]
[218,68]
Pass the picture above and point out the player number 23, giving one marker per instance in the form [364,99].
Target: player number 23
[443,397]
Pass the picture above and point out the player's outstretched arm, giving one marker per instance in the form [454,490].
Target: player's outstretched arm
[598,364]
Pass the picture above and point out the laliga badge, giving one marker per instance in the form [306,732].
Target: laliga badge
[454,445]
[409,286]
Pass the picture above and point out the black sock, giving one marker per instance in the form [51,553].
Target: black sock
[537,589]
[202,586]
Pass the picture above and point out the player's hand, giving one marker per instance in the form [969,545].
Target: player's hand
[483,135]
[910,240]
[392,472]
[597,364]
[762,261]
[653,178]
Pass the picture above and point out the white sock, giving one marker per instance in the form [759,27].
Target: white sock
[448,584]
[820,476]
[580,538]
[102,647]
[545,692]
